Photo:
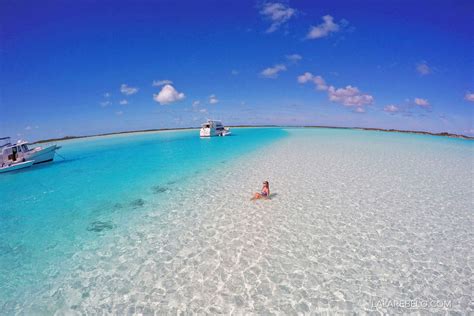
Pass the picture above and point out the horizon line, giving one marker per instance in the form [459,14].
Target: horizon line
[421,132]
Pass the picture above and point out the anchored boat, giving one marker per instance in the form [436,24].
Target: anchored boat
[5,167]
[20,152]
[213,128]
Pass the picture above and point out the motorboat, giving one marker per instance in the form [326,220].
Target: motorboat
[20,152]
[5,167]
[214,128]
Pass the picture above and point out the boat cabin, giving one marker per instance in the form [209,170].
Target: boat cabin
[13,152]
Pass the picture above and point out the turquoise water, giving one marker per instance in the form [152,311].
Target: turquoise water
[162,222]
[51,211]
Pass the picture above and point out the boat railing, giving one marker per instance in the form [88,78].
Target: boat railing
[5,141]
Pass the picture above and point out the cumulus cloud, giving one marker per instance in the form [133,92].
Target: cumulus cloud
[105,103]
[307,76]
[423,69]
[125,89]
[320,83]
[391,108]
[349,96]
[167,95]
[196,103]
[159,83]
[123,102]
[213,99]
[324,29]
[469,96]
[277,13]
[107,95]
[294,58]
[422,102]
[272,72]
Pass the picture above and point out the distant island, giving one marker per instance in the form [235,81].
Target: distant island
[444,134]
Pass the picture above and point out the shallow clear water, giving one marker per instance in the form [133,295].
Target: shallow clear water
[51,211]
[163,222]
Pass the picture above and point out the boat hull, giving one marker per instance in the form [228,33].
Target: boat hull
[43,155]
[17,166]
[205,132]
[213,133]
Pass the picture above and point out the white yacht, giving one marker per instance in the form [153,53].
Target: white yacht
[213,128]
[20,152]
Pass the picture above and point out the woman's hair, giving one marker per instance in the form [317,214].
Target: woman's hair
[267,184]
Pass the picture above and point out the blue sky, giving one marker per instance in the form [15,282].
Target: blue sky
[86,67]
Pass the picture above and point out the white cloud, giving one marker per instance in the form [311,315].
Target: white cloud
[123,102]
[203,110]
[107,95]
[213,99]
[167,95]
[469,96]
[277,13]
[319,82]
[28,128]
[119,113]
[323,29]
[105,103]
[349,96]
[159,83]
[422,102]
[423,68]
[196,103]
[125,89]
[234,72]
[294,58]
[307,76]
[272,72]
[391,108]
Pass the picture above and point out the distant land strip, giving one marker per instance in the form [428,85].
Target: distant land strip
[444,134]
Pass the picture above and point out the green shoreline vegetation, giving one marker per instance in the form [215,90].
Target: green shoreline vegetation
[443,134]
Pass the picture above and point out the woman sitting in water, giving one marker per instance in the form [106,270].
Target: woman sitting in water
[264,194]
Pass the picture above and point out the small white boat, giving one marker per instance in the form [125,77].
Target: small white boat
[214,128]
[15,166]
[20,152]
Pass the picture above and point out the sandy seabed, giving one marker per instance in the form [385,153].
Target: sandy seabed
[354,226]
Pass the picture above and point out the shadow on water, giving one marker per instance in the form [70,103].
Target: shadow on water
[137,203]
[52,163]
[160,189]
[99,226]
[118,206]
